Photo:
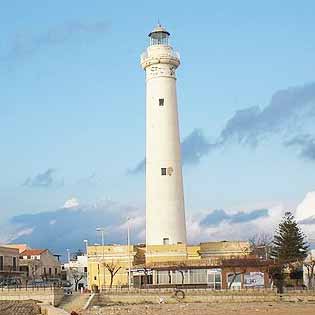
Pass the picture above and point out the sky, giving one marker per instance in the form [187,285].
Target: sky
[72,103]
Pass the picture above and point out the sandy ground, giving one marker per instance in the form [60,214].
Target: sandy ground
[207,309]
[19,308]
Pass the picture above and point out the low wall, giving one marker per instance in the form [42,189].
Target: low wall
[51,310]
[223,296]
[191,296]
[51,296]
[298,296]
[198,291]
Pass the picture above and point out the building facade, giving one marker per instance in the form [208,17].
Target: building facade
[76,271]
[20,247]
[109,265]
[9,262]
[39,264]
[211,264]
[165,210]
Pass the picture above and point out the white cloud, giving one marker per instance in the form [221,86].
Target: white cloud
[10,233]
[305,214]
[71,203]
[227,230]
[306,208]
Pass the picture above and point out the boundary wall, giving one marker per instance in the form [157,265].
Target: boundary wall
[52,296]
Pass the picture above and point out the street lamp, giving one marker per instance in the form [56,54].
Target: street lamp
[102,230]
[129,261]
[68,254]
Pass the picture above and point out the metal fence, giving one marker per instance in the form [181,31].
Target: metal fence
[30,287]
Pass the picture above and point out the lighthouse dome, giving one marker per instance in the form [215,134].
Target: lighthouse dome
[159,36]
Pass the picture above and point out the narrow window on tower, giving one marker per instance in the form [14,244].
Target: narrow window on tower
[163,171]
[161,101]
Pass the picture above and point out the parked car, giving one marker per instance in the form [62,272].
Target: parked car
[45,283]
[67,286]
[37,283]
[10,283]
[56,282]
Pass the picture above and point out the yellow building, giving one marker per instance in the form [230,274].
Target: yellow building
[224,249]
[105,261]
[109,264]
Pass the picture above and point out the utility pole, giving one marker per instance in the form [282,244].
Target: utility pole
[102,230]
[86,246]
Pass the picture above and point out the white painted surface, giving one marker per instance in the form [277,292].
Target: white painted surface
[165,211]
[77,266]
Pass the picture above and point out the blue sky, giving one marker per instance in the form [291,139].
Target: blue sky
[72,111]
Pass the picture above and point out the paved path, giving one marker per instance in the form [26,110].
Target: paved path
[74,302]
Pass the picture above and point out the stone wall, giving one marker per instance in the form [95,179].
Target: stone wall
[191,296]
[194,296]
[51,296]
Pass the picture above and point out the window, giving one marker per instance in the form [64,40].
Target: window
[166,241]
[49,271]
[180,276]
[161,101]
[1,262]
[94,277]
[163,171]
[56,271]
[214,279]
[198,276]
[85,269]
[164,277]
[14,264]
[237,280]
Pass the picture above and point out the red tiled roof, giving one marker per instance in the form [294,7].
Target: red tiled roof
[33,252]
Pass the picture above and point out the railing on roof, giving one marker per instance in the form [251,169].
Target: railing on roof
[170,54]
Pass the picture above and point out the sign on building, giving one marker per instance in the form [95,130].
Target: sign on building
[254,279]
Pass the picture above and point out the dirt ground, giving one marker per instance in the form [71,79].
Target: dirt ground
[207,309]
[19,308]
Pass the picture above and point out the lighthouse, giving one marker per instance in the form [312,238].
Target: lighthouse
[165,209]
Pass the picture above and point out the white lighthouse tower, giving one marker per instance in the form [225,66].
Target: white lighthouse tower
[165,210]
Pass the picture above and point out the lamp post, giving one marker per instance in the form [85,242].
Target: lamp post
[68,254]
[129,261]
[102,230]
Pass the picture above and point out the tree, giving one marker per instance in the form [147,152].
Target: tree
[289,243]
[261,245]
[276,275]
[237,266]
[182,265]
[113,269]
[77,277]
